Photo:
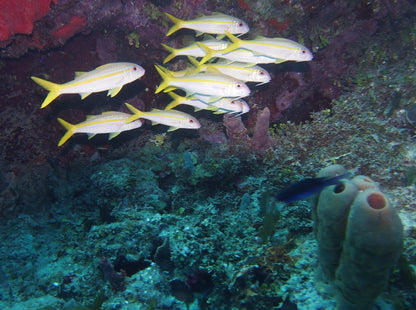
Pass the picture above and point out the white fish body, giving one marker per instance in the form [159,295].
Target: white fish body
[239,54]
[214,85]
[226,105]
[244,72]
[111,77]
[222,105]
[194,49]
[216,23]
[111,122]
[174,119]
[279,48]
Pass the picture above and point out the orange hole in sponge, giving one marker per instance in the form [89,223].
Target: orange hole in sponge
[377,201]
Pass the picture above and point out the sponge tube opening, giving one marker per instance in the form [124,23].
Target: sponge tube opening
[377,201]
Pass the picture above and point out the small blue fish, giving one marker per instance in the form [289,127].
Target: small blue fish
[307,187]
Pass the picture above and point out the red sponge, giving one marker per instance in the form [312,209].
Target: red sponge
[18,16]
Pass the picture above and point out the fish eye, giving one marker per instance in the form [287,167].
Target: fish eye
[232,102]
[240,24]
[261,72]
[303,52]
[191,121]
[134,68]
[238,85]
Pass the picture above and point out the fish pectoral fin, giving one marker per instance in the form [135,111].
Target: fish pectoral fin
[113,135]
[84,95]
[114,91]
[172,129]
[91,135]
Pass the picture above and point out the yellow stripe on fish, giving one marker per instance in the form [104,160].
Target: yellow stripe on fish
[215,85]
[172,118]
[194,49]
[279,48]
[111,122]
[216,23]
[111,77]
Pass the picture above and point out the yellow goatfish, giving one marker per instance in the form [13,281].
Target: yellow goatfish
[172,118]
[223,105]
[111,77]
[194,49]
[216,23]
[111,122]
[240,54]
[279,48]
[242,71]
[214,85]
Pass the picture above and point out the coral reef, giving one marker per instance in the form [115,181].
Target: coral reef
[187,220]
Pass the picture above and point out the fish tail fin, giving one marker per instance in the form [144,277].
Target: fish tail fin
[194,62]
[136,113]
[173,52]
[197,66]
[177,24]
[53,89]
[177,100]
[209,53]
[166,76]
[235,42]
[70,129]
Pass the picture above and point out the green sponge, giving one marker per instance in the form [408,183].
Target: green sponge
[360,238]
[332,211]
[373,244]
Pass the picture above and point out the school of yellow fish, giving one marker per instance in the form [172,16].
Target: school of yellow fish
[217,82]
